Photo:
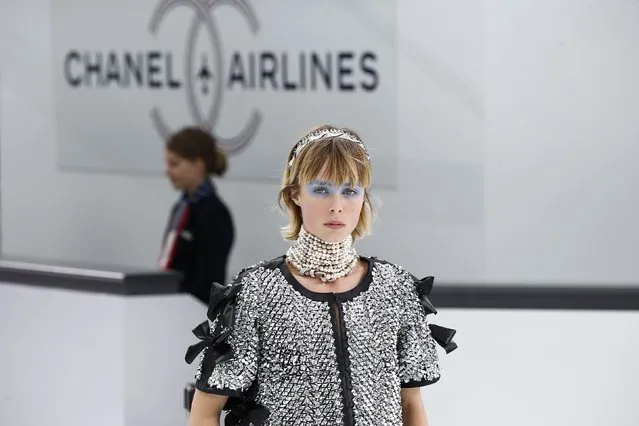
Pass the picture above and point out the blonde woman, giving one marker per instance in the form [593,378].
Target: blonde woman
[320,335]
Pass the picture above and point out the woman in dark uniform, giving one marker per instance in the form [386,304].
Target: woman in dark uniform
[200,233]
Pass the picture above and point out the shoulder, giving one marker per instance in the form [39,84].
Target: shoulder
[212,205]
[211,214]
[245,288]
[257,271]
[388,270]
[405,284]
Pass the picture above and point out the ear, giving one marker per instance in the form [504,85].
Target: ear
[295,196]
[200,164]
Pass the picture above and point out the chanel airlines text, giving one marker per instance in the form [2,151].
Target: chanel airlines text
[332,71]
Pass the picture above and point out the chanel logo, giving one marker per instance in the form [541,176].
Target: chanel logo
[208,119]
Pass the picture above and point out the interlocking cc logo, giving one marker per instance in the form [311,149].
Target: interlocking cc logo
[206,119]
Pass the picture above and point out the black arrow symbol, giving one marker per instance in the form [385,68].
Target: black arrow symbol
[204,75]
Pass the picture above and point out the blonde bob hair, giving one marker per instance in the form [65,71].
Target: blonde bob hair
[339,160]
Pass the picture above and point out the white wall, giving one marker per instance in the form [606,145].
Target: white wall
[561,130]
[532,368]
[517,150]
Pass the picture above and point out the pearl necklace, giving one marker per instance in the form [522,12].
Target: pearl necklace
[317,258]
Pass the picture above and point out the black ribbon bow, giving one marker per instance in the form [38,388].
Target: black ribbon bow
[442,335]
[221,306]
[220,299]
[215,342]
[424,287]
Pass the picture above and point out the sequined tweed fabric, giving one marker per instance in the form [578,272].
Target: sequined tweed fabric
[323,359]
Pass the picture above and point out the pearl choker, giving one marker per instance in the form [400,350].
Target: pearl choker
[317,258]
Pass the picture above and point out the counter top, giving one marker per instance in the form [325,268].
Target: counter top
[88,278]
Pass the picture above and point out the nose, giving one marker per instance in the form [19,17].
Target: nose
[336,205]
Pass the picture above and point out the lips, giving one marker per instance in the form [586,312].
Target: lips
[334,224]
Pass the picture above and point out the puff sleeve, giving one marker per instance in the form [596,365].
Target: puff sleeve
[417,338]
[229,342]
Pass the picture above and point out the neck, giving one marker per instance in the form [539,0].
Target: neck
[202,190]
[190,190]
[318,258]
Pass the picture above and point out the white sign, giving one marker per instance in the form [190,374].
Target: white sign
[257,74]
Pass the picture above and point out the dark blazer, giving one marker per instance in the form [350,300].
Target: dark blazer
[204,246]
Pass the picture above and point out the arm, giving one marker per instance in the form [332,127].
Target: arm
[413,411]
[228,365]
[206,409]
[417,350]
[213,242]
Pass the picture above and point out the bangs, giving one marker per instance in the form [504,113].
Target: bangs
[336,160]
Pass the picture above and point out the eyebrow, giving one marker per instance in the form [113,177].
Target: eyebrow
[320,182]
[327,183]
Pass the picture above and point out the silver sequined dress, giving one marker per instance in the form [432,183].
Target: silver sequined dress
[321,358]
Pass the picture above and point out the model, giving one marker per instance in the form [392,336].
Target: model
[320,335]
